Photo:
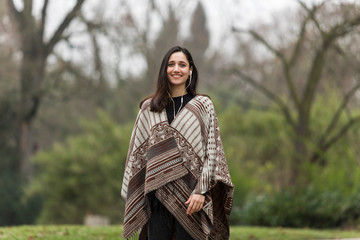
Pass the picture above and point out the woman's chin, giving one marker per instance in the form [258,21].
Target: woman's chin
[177,83]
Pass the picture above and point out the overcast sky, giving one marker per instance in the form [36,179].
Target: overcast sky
[219,12]
[243,14]
[221,15]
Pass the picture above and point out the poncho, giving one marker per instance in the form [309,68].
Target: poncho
[176,160]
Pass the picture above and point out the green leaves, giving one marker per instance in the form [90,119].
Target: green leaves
[301,208]
[83,174]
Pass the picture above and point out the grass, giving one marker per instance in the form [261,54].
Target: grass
[114,232]
[61,232]
[263,233]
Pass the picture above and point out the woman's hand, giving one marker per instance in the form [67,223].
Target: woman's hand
[196,202]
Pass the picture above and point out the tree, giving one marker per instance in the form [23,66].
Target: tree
[35,51]
[199,39]
[198,44]
[298,112]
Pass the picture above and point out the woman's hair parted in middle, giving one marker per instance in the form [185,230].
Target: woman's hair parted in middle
[160,99]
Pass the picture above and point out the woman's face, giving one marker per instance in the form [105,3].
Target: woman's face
[178,69]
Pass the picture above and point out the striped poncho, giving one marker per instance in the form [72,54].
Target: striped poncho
[176,160]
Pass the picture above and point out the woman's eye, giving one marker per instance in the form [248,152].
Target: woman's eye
[182,65]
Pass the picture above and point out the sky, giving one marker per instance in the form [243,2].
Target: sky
[242,14]
[219,12]
[221,15]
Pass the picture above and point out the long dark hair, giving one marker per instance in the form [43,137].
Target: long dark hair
[160,99]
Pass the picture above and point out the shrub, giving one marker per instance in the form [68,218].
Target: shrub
[84,174]
[307,208]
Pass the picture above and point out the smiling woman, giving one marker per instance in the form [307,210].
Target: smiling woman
[178,75]
[176,179]
[178,71]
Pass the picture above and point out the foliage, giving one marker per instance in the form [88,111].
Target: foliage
[342,171]
[306,208]
[13,208]
[115,232]
[258,151]
[251,142]
[304,68]
[84,174]
[257,164]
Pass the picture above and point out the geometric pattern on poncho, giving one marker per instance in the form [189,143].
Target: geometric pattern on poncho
[176,160]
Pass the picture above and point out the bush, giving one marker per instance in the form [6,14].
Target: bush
[84,174]
[256,163]
[259,149]
[14,209]
[307,208]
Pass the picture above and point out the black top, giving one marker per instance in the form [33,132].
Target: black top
[177,100]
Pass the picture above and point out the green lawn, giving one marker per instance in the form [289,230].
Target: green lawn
[114,232]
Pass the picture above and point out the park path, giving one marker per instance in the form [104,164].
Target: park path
[343,239]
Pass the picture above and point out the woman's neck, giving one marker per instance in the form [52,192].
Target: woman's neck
[176,92]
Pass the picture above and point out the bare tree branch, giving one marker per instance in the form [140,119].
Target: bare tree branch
[318,63]
[14,11]
[43,19]
[267,44]
[296,52]
[301,36]
[286,66]
[28,6]
[272,96]
[98,64]
[313,79]
[69,17]
[344,28]
[341,133]
[294,56]
[337,115]
[311,14]
[256,106]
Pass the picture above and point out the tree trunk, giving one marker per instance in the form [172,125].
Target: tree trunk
[300,149]
[33,64]
[32,77]
[25,150]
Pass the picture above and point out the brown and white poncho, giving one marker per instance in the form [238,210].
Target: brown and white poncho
[176,160]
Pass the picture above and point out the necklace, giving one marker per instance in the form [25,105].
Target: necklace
[182,101]
[182,98]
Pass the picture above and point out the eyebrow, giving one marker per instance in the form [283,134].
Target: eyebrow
[179,61]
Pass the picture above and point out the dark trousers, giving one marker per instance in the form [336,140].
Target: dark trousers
[162,225]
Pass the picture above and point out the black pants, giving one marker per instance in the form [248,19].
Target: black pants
[162,225]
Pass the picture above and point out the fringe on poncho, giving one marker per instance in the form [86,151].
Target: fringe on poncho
[176,160]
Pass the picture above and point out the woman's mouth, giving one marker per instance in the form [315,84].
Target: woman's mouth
[176,76]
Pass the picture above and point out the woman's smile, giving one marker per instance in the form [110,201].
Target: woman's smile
[178,69]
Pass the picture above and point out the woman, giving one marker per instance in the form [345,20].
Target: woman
[176,182]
